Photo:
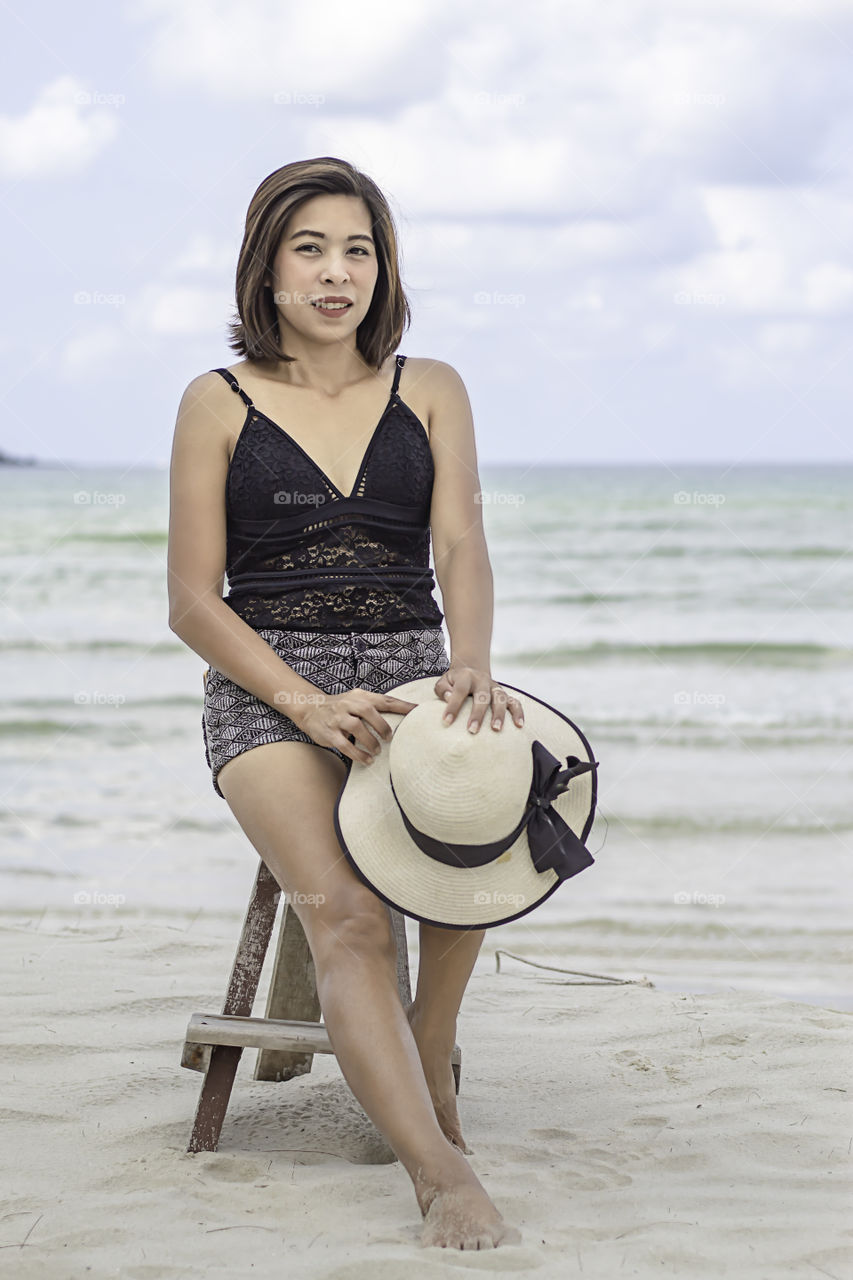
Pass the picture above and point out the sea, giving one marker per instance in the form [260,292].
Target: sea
[696,622]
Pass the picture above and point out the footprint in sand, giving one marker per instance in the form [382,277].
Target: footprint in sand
[633,1058]
[581,1168]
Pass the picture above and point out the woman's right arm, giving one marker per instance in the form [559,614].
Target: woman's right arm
[196,559]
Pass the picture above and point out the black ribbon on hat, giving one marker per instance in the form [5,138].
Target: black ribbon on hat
[553,844]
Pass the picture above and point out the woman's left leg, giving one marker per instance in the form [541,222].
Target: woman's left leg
[445,963]
[385,660]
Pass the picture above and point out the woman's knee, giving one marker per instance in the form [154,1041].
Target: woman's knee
[348,921]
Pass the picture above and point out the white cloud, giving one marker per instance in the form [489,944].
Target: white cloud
[329,50]
[183,311]
[90,354]
[61,134]
[205,253]
[774,251]
[828,288]
[784,339]
[596,159]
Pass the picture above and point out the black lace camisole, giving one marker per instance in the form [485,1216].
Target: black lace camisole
[301,555]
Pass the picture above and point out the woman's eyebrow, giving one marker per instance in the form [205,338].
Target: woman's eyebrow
[321,235]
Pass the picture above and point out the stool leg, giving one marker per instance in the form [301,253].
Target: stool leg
[404,986]
[242,988]
[292,996]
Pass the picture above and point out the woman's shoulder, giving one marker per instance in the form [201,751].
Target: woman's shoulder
[207,409]
[205,383]
[437,372]
[440,388]
[439,385]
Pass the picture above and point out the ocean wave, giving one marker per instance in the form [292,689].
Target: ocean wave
[685,919]
[36,728]
[576,550]
[26,644]
[714,824]
[781,654]
[148,537]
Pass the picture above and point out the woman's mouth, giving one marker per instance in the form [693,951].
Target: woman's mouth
[327,307]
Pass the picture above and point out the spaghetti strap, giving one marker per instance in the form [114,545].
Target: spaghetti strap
[234,385]
[401,360]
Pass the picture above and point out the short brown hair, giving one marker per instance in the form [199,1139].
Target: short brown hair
[254,334]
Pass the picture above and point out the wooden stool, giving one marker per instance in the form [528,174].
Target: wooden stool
[291,1032]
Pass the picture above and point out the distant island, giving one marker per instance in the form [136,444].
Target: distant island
[7,460]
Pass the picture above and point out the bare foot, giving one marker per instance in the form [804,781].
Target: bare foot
[458,1213]
[438,1072]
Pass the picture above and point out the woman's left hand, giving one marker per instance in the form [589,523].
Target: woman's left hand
[459,681]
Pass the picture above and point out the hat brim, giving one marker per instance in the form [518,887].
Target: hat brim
[375,842]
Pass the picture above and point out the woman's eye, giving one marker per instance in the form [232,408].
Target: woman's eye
[356,248]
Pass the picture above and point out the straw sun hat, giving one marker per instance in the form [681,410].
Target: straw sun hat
[469,830]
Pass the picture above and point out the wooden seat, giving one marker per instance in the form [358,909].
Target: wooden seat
[290,1033]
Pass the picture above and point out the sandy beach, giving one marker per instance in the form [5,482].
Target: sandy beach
[624,1129]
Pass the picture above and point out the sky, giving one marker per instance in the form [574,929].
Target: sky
[627,224]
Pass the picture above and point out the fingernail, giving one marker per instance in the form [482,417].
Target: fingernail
[447,717]
[497,724]
[472,728]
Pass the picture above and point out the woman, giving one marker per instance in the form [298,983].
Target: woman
[284,474]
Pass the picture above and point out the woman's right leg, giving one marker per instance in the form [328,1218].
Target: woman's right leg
[283,796]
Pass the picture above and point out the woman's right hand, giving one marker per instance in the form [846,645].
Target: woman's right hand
[351,721]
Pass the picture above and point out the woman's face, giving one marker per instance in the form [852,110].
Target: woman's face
[327,251]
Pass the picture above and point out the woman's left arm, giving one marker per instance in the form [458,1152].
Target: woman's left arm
[461,556]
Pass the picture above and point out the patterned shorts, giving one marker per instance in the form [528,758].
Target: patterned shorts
[234,721]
